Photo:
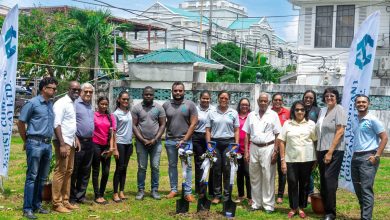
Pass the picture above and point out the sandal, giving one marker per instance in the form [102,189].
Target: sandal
[101,203]
[117,200]
[302,214]
[291,214]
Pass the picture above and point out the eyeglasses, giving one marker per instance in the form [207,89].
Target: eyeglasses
[53,88]
[278,100]
[299,110]
[125,99]
[88,92]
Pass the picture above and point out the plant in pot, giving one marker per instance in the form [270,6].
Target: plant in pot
[46,192]
[316,199]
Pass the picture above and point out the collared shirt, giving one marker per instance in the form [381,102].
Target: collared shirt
[124,126]
[262,130]
[242,134]
[299,139]
[39,116]
[366,133]
[202,118]
[84,118]
[65,116]
[102,128]
[179,117]
[148,118]
[284,115]
[222,124]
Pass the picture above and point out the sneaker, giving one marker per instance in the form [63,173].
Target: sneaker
[29,215]
[140,195]
[155,195]
[61,209]
[189,198]
[41,210]
[70,206]
[171,195]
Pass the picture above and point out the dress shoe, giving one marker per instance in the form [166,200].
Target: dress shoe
[61,209]
[189,198]
[70,206]
[329,217]
[269,211]
[215,201]
[41,211]
[140,195]
[155,195]
[29,215]
[171,195]
[84,201]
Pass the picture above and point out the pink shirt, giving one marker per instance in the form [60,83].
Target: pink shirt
[102,127]
[242,135]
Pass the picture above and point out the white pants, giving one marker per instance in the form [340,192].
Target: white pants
[262,175]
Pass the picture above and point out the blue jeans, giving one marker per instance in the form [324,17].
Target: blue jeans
[172,153]
[38,164]
[142,157]
[363,176]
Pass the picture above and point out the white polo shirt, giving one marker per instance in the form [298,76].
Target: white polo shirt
[262,130]
[65,116]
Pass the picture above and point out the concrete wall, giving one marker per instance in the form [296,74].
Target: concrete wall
[161,72]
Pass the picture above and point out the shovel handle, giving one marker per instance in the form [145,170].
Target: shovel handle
[233,147]
[213,146]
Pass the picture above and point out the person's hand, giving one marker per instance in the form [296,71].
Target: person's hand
[246,156]
[77,145]
[64,150]
[110,152]
[372,160]
[24,146]
[147,143]
[180,143]
[284,167]
[153,142]
[328,157]
[116,154]
[274,157]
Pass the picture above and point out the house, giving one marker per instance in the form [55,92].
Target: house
[326,28]
[4,10]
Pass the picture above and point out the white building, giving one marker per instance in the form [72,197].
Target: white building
[4,10]
[326,28]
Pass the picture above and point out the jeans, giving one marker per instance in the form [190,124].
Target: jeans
[125,151]
[38,164]
[363,176]
[142,156]
[97,160]
[172,152]
[298,177]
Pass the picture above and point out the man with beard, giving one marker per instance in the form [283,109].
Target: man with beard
[369,142]
[182,118]
[83,158]
[148,126]
[64,145]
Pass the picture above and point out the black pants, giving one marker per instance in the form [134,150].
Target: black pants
[281,179]
[125,151]
[81,170]
[97,160]
[298,178]
[199,148]
[243,179]
[221,169]
[329,174]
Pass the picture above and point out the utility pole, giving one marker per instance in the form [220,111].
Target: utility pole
[210,29]
[201,30]
[241,40]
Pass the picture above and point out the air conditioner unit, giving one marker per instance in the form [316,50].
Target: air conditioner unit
[384,63]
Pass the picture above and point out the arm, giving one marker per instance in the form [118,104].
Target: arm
[336,140]
[63,146]
[161,121]
[382,144]
[282,148]
[208,135]
[237,134]
[137,131]
[246,149]
[22,132]
[193,121]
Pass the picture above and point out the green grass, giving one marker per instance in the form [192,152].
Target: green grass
[11,201]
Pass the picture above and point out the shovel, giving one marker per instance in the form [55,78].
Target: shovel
[185,152]
[229,206]
[209,158]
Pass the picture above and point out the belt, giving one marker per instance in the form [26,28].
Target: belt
[45,140]
[265,144]
[84,139]
[365,152]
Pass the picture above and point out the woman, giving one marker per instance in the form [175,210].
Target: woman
[199,139]
[223,127]
[243,180]
[298,155]
[124,140]
[104,146]
[330,149]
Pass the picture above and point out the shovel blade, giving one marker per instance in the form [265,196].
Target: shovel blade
[203,204]
[229,208]
[182,206]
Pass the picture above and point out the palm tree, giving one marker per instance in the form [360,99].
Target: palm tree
[89,43]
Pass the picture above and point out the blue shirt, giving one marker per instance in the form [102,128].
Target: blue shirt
[366,134]
[39,116]
[84,119]
[222,124]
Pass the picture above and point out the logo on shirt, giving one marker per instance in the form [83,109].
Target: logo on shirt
[183,108]
[155,112]
[230,116]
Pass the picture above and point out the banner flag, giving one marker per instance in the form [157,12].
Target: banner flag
[8,63]
[357,81]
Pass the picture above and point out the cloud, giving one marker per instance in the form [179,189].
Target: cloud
[290,32]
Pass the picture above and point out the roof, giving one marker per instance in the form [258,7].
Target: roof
[193,16]
[171,56]
[244,23]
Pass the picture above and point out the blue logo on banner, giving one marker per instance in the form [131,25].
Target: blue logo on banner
[9,49]
[362,58]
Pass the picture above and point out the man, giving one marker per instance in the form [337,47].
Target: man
[38,114]
[369,143]
[284,115]
[182,118]
[64,145]
[83,158]
[262,128]
[148,126]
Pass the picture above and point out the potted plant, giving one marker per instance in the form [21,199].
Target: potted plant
[316,199]
[46,192]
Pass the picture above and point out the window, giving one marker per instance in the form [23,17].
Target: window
[324,25]
[345,25]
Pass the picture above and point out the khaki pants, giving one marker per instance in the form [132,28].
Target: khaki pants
[62,176]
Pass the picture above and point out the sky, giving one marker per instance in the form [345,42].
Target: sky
[286,27]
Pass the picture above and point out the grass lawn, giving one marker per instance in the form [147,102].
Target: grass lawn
[11,201]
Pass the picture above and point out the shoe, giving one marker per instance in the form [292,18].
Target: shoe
[171,195]
[84,201]
[215,201]
[101,203]
[250,202]
[155,195]
[252,209]
[70,206]
[269,211]
[29,215]
[279,201]
[189,198]
[140,195]
[61,209]
[290,214]
[302,214]
[42,211]
[330,217]
[117,200]
[239,199]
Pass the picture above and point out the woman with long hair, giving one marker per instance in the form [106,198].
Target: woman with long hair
[124,141]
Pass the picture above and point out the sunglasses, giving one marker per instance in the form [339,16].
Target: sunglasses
[88,92]
[53,88]
[299,110]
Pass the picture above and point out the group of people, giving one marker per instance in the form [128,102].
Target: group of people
[295,141]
